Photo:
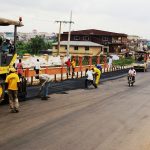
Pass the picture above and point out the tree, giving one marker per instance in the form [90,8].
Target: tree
[33,46]
[21,47]
[37,44]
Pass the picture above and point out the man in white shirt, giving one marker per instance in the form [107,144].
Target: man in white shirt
[45,83]
[89,79]
[37,67]
[132,72]
[110,62]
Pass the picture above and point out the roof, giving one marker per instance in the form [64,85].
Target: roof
[7,22]
[79,43]
[95,32]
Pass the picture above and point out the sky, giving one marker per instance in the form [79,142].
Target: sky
[122,16]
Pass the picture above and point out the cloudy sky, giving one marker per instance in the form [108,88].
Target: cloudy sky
[125,16]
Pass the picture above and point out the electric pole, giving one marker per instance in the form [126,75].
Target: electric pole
[60,23]
[68,45]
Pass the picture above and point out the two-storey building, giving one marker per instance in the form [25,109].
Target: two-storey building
[78,48]
[115,41]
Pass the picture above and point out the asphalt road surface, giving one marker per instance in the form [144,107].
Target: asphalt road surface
[112,117]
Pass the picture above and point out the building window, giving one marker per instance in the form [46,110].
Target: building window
[105,50]
[86,38]
[104,38]
[76,48]
[87,48]
[76,38]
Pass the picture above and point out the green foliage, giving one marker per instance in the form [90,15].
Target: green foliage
[21,47]
[123,62]
[37,44]
[85,60]
[33,46]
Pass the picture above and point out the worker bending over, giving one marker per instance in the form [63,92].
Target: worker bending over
[97,74]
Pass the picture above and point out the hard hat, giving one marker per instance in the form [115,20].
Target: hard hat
[12,69]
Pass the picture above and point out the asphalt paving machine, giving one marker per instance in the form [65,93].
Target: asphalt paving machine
[7,60]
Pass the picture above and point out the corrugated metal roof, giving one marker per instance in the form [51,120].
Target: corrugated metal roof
[79,43]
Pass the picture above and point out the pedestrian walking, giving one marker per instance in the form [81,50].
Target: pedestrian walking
[45,83]
[68,63]
[12,84]
[20,68]
[37,67]
[73,63]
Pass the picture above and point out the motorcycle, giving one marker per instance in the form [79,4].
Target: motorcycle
[130,80]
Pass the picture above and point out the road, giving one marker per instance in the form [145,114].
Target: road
[73,84]
[112,117]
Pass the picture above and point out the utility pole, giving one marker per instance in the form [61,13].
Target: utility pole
[60,23]
[68,45]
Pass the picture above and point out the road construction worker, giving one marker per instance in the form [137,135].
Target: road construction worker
[89,79]
[97,73]
[12,84]
[73,63]
[45,82]
[1,92]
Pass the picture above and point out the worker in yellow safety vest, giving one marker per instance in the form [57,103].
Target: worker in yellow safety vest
[1,91]
[97,73]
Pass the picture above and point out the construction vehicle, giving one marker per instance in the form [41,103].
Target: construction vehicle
[7,60]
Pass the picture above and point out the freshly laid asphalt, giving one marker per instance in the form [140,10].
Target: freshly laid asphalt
[112,117]
[72,84]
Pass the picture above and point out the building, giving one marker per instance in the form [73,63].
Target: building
[78,48]
[133,42]
[133,37]
[115,41]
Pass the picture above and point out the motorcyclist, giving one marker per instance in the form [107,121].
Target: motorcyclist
[132,73]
